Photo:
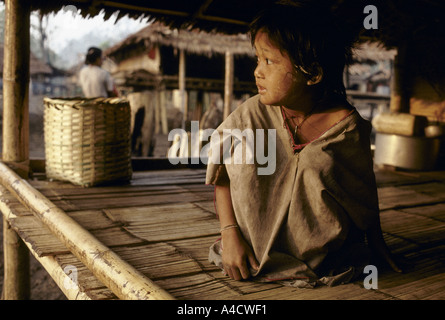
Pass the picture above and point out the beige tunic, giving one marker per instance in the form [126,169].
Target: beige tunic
[305,222]
[95,81]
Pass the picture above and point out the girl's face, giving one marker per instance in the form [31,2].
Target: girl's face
[277,81]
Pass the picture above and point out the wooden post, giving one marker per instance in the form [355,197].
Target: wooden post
[157,111]
[228,85]
[143,102]
[16,135]
[400,93]
[182,86]
[163,113]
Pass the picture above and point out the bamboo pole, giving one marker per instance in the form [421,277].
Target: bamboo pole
[228,85]
[121,278]
[66,283]
[16,82]
[16,136]
[16,284]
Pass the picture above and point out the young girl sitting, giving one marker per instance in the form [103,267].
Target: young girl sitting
[306,222]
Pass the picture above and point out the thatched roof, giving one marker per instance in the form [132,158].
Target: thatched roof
[191,41]
[228,16]
[373,52]
[399,20]
[200,42]
[418,24]
[204,55]
[37,66]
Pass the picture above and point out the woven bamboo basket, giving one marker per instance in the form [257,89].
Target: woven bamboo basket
[87,141]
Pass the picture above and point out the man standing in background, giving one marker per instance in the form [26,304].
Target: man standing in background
[95,81]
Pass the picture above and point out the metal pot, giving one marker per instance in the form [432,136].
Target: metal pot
[415,153]
[434,131]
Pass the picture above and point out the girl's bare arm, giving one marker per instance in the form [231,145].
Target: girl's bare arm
[237,254]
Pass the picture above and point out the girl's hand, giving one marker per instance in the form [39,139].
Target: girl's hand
[237,255]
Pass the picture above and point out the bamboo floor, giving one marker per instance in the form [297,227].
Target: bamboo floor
[163,223]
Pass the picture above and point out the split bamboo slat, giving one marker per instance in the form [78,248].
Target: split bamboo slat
[107,266]
[87,141]
[184,220]
[167,238]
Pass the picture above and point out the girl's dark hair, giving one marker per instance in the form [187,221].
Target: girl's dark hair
[312,38]
[92,54]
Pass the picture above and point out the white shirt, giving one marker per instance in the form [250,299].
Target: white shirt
[95,81]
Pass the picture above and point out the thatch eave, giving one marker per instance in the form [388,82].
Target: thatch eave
[198,14]
[191,41]
[399,20]
[373,52]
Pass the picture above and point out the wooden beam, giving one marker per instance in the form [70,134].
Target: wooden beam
[400,94]
[228,85]
[182,87]
[16,135]
[224,20]
[167,12]
[202,9]
[163,107]
[120,5]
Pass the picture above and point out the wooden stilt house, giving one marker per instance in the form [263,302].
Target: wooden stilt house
[181,74]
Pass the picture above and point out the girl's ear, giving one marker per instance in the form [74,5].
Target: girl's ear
[313,79]
[317,78]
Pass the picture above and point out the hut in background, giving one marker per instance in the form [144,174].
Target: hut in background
[412,134]
[416,30]
[38,71]
[368,78]
[371,68]
[172,77]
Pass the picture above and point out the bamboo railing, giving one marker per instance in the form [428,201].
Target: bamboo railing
[122,279]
